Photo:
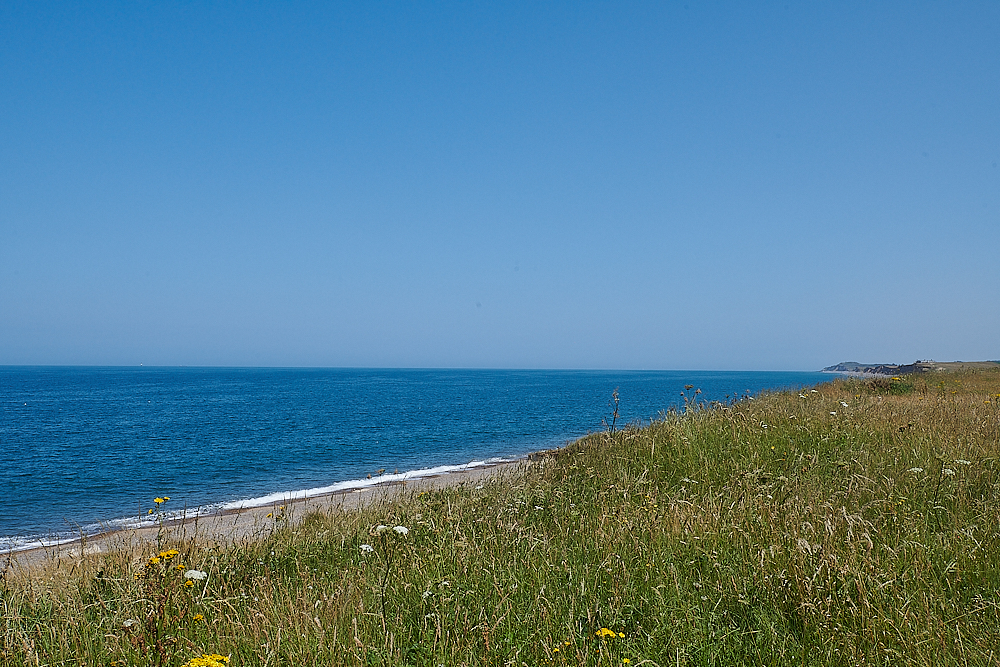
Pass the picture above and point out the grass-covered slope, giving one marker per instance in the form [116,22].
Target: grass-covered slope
[857,523]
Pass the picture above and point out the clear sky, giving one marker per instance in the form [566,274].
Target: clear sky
[535,185]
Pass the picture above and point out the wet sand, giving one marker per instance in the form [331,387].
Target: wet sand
[241,525]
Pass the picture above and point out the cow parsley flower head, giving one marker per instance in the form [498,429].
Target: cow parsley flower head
[401,530]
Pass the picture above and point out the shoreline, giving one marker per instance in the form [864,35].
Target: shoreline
[227,507]
[236,524]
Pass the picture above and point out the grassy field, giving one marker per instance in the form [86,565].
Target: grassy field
[855,523]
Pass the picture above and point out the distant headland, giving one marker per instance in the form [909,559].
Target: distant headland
[925,366]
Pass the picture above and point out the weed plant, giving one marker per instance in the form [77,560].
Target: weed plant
[855,523]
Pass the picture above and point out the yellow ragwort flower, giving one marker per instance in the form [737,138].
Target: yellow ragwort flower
[159,501]
[206,660]
[188,584]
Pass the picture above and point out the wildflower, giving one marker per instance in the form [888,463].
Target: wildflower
[625,661]
[802,395]
[198,617]
[160,501]
[168,554]
[269,515]
[843,404]
[188,584]
[948,471]
[206,660]
[834,414]
[195,574]
[401,530]
[963,462]
[153,560]
[915,470]
[381,528]
[604,632]
[367,548]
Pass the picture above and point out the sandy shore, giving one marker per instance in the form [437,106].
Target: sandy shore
[235,526]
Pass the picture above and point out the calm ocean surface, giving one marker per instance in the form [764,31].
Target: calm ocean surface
[86,448]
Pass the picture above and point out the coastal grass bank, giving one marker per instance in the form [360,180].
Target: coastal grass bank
[853,523]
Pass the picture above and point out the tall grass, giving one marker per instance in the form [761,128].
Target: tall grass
[856,523]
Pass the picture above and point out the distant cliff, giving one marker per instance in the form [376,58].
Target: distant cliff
[854,367]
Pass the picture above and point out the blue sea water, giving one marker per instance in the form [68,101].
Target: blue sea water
[83,449]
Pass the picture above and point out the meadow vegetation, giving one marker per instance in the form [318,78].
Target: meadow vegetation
[854,523]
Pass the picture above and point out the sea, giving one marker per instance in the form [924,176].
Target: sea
[84,450]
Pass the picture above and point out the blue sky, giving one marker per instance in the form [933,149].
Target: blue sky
[559,185]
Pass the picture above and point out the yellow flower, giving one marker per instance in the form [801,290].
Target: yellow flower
[214,660]
[199,617]
[159,501]
[625,661]
[604,632]
[188,584]
[153,560]
[168,554]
